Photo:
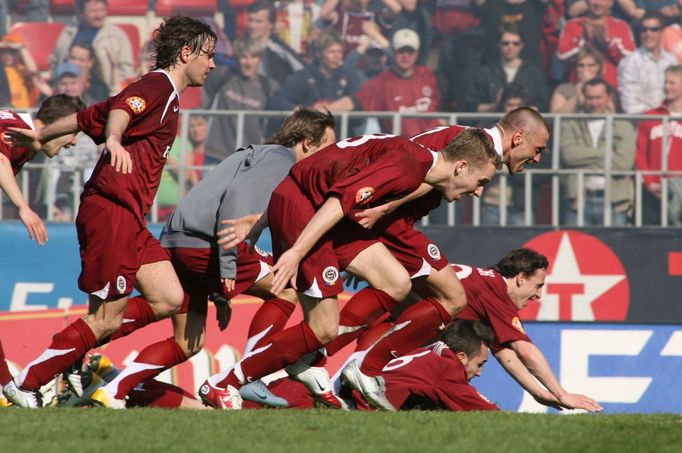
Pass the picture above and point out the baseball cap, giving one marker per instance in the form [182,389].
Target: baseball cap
[405,38]
[14,38]
[66,69]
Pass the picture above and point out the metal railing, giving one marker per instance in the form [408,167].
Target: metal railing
[449,214]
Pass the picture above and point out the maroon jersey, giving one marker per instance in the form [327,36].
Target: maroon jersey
[488,301]
[437,139]
[391,93]
[349,27]
[379,168]
[430,378]
[152,103]
[17,156]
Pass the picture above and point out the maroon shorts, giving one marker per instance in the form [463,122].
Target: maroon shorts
[412,248]
[319,271]
[199,274]
[113,247]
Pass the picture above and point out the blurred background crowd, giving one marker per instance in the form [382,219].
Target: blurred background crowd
[579,61]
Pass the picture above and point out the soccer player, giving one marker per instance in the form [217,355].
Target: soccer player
[13,158]
[118,252]
[306,215]
[239,186]
[434,377]
[495,296]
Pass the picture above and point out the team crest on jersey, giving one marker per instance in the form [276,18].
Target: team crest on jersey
[120,284]
[330,274]
[433,251]
[136,104]
[516,323]
[260,251]
[426,90]
[364,195]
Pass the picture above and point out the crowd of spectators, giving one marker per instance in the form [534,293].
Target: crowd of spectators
[408,56]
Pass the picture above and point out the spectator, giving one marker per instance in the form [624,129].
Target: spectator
[67,79]
[113,51]
[640,74]
[171,179]
[278,60]
[405,87]
[513,96]
[568,96]
[669,9]
[243,89]
[609,36]
[490,80]
[295,23]
[370,57]
[583,142]
[650,153]
[81,55]
[627,10]
[452,17]
[347,18]
[59,181]
[525,15]
[325,84]
[672,40]
[24,84]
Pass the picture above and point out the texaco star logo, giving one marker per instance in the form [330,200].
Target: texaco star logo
[586,280]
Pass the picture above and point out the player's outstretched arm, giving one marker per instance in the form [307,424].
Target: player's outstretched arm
[117,123]
[286,268]
[516,369]
[537,364]
[34,225]
[369,217]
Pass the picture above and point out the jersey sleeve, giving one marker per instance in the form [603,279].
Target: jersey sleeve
[93,121]
[458,396]
[504,319]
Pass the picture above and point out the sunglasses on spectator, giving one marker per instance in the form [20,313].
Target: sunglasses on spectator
[651,29]
[511,43]
[587,65]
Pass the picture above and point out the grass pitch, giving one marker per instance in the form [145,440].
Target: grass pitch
[81,429]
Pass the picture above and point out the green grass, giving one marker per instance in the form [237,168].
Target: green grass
[325,431]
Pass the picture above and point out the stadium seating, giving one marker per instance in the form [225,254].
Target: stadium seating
[62,7]
[191,98]
[134,38]
[190,7]
[127,7]
[40,39]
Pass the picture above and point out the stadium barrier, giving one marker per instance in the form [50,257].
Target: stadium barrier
[543,195]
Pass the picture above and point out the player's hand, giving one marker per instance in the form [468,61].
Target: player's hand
[237,231]
[576,401]
[120,158]
[370,216]
[285,270]
[34,225]
[351,280]
[228,284]
[548,399]
[223,310]
[24,138]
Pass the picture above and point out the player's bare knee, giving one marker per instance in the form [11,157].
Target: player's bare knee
[325,332]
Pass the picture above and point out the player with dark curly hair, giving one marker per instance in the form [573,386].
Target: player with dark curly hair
[118,253]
